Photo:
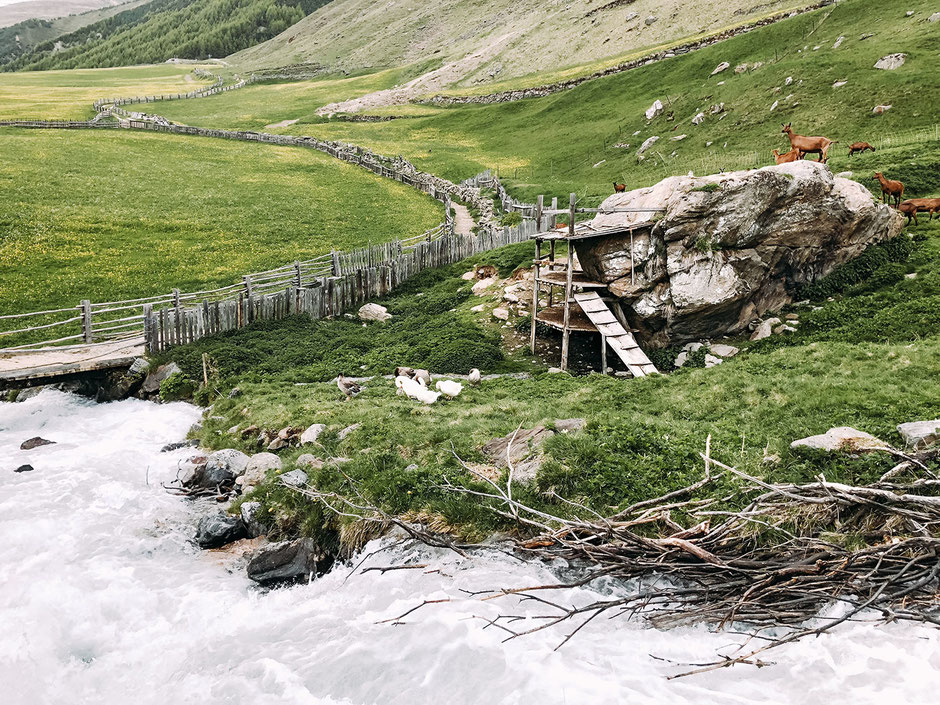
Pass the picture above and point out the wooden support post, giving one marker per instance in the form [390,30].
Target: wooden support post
[538,213]
[297,274]
[603,354]
[149,345]
[566,332]
[535,294]
[554,217]
[86,321]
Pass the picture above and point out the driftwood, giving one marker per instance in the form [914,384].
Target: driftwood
[790,551]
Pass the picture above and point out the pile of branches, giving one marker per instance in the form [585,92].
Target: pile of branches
[685,557]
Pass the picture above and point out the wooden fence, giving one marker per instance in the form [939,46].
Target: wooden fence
[325,286]
[214,89]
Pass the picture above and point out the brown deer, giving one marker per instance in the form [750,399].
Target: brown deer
[809,145]
[890,189]
[792,156]
[912,206]
[859,147]
[619,188]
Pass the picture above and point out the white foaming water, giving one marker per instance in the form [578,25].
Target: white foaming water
[104,600]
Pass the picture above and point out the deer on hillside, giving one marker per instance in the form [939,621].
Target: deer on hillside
[809,145]
[912,206]
[859,147]
[792,156]
[619,188]
[890,189]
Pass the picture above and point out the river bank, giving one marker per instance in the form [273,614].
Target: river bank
[108,599]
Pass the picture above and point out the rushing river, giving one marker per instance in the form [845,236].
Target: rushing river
[105,601]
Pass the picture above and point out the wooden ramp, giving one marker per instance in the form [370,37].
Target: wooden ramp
[618,338]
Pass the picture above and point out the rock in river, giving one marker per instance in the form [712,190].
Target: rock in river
[35,442]
[288,561]
[219,529]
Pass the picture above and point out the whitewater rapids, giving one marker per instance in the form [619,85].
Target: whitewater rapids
[104,600]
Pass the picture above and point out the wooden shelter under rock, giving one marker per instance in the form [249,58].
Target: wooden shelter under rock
[584,305]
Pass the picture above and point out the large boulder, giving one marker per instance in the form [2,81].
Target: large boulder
[288,561]
[729,247]
[154,379]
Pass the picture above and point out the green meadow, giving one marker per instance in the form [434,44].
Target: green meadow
[111,215]
[70,94]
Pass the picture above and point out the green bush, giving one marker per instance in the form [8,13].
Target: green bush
[510,219]
[176,387]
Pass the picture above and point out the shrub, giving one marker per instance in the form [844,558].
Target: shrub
[176,387]
[510,219]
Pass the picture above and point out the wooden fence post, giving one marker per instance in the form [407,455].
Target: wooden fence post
[86,321]
[148,329]
[335,255]
[247,281]
[538,213]
[297,273]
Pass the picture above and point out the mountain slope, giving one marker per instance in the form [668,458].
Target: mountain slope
[164,29]
[23,37]
[504,38]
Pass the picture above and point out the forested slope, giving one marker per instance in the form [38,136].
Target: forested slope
[164,29]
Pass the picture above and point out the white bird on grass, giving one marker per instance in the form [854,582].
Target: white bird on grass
[449,388]
[423,376]
[474,377]
[414,390]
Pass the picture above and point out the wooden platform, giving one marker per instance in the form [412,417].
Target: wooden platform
[554,316]
[579,279]
[618,338]
[47,363]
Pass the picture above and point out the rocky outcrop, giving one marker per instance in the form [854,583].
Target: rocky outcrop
[729,247]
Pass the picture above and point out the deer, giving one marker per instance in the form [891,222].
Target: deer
[859,147]
[619,188]
[809,145]
[912,206]
[890,189]
[792,156]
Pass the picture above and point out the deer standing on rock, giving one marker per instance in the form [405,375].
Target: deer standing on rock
[890,189]
[809,145]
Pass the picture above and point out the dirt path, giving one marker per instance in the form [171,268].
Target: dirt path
[463,221]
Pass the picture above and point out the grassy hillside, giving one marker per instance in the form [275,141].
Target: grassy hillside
[572,141]
[164,29]
[493,39]
[22,37]
[110,215]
